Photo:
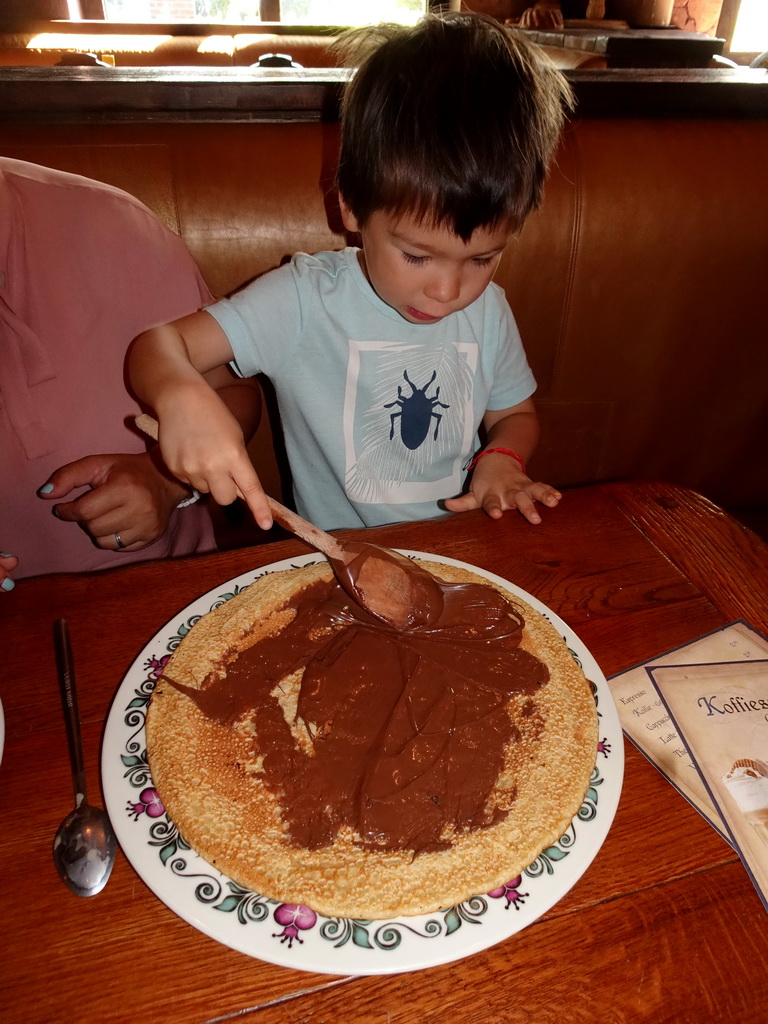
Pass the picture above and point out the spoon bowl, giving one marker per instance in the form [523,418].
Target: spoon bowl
[84,850]
[85,846]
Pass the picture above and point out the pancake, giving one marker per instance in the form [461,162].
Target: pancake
[358,844]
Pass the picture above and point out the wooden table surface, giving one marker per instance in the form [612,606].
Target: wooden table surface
[663,926]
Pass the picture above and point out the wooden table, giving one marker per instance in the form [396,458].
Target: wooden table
[664,926]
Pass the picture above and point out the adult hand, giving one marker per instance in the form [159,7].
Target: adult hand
[499,485]
[7,565]
[542,15]
[130,497]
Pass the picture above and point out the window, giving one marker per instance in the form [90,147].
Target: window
[750,33]
[744,26]
[292,12]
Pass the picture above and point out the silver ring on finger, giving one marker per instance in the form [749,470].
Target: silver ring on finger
[118,540]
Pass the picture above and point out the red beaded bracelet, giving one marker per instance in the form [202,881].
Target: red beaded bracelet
[502,451]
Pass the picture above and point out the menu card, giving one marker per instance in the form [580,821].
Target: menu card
[700,715]
[722,710]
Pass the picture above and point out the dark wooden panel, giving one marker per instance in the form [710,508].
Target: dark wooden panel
[90,94]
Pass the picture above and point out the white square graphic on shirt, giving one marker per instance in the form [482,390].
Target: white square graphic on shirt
[406,443]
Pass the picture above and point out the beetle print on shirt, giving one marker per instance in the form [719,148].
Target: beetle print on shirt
[400,453]
[417,410]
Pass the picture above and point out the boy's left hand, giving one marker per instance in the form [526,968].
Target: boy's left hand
[498,486]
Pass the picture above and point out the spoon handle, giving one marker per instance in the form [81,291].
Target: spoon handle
[313,535]
[66,667]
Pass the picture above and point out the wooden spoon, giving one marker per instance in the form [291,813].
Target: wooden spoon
[384,582]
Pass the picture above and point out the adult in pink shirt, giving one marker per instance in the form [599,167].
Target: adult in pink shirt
[84,268]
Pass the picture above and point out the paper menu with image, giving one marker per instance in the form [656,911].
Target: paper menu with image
[722,710]
[646,721]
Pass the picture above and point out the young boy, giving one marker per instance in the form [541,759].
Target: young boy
[387,359]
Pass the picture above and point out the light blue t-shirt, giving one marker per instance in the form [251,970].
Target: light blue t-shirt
[379,415]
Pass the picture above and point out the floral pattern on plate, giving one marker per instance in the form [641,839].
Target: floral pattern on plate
[294,935]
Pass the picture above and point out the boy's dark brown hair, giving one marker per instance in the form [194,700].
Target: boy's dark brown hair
[453,120]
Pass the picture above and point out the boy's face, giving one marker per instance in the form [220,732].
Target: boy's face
[422,271]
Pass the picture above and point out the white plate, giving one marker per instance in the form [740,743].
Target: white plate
[296,936]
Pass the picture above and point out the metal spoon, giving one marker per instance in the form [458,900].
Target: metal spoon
[84,847]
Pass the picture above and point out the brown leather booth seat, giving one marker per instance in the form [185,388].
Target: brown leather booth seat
[15,51]
[163,49]
[309,51]
[139,50]
[639,286]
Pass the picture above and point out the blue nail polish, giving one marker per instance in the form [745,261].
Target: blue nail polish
[7,584]
[46,489]
[6,554]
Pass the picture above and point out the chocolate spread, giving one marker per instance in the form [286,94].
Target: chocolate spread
[408,727]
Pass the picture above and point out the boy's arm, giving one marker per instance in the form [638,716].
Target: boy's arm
[200,439]
[498,482]
[241,395]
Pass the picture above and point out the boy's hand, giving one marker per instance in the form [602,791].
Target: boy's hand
[129,496]
[202,444]
[201,441]
[498,485]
